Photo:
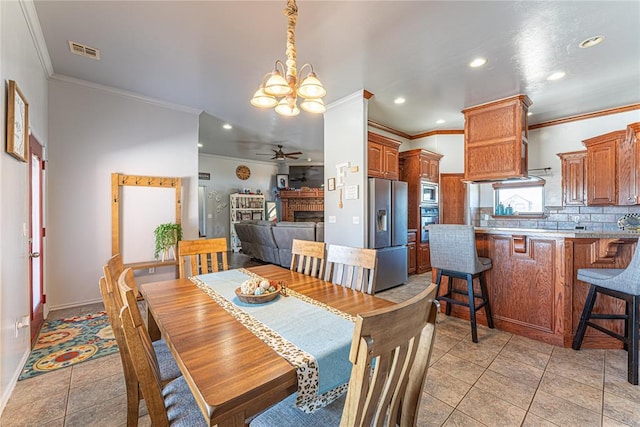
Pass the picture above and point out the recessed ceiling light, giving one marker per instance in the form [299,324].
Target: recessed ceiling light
[308,159]
[478,62]
[399,100]
[227,126]
[529,113]
[440,121]
[557,75]
[591,41]
[200,145]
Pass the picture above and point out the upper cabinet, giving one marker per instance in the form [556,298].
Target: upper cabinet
[496,139]
[574,178]
[382,157]
[420,164]
[628,164]
[602,171]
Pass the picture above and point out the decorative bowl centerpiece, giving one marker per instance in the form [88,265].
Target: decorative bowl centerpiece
[258,291]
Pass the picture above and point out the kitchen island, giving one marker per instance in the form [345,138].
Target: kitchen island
[533,287]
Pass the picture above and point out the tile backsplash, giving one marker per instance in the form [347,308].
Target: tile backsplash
[593,218]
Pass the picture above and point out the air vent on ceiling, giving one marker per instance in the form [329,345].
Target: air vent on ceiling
[84,50]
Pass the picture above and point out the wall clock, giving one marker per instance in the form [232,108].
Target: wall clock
[17,123]
[243,172]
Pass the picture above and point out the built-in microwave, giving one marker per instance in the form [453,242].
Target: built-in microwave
[429,193]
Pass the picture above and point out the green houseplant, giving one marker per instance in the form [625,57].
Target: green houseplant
[167,237]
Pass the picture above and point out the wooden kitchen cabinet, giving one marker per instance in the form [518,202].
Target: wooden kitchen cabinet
[602,159]
[429,168]
[496,139]
[453,192]
[412,237]
[628,164]
[383,157]
[412,168]
[424,258]
[574,173]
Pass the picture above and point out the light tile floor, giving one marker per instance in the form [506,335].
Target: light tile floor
[504,380]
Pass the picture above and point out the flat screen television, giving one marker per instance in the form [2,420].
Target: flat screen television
[306,176]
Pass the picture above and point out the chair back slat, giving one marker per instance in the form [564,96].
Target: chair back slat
[308,257]
[390,354]
[129,300]
[354,268]
[205,256]
[146,371]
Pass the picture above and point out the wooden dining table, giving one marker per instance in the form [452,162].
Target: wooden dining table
[233,374]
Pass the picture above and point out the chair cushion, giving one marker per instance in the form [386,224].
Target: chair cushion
[182,409]
[593,275]
[167,364]
[285,414]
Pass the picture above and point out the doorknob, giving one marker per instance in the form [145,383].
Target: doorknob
[34,254]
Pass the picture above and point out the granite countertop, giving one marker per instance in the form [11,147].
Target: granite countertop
[587,234]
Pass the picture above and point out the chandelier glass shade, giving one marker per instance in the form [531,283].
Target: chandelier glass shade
[282,93]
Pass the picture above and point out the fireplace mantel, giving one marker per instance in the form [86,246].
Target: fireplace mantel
[311,200]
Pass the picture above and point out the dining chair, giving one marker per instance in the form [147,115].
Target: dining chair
[168,368]
[390,354]
[354,268]
[203,255]
[171,404]
[307,257]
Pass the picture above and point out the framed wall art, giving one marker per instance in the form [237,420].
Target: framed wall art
[282,181]
[331,184]
[17,123]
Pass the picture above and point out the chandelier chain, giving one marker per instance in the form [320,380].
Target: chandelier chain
[291,12]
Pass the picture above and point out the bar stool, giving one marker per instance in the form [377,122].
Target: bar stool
[619,283]
[453,253]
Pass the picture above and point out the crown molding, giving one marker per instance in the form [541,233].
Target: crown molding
[585,116]
[578,117]
[438,132]
[127,94]
[33,23]
[386,128]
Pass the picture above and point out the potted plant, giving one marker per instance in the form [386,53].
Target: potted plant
[167,237]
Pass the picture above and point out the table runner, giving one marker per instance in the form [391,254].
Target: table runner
[314,337]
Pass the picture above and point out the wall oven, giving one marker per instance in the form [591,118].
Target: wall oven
[428,193]
[428,216]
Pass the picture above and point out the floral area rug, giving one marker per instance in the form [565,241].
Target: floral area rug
[65,342]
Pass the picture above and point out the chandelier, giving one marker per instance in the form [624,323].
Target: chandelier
[276,91]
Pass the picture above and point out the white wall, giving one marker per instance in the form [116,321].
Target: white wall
[93,132]
[19,61]
[345,140]
[450,146]
[224,182]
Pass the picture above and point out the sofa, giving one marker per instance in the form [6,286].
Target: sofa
[271,241]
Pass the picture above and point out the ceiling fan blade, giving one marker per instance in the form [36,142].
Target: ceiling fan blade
[297,153]
[289,156]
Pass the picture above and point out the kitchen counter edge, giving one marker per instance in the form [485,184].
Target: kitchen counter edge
[572,234]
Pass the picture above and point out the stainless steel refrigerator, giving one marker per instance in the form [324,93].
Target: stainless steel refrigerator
[388,216]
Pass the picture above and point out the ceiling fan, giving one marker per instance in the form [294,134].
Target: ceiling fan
[281,155]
